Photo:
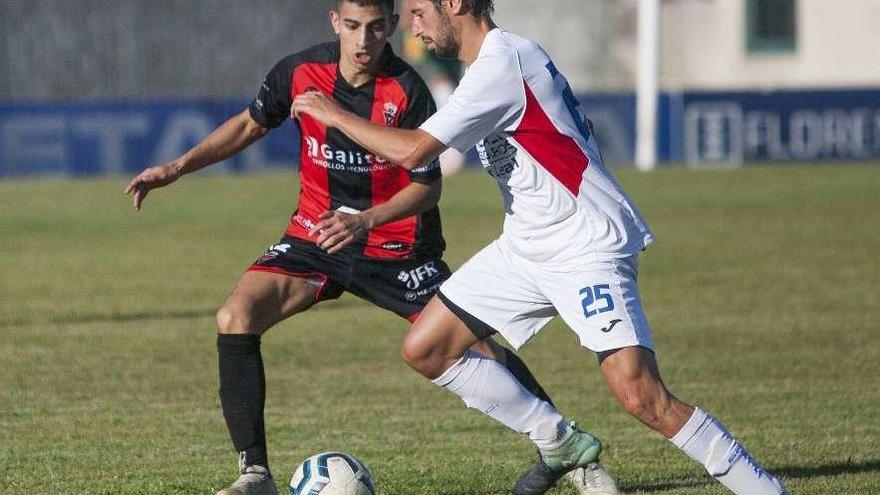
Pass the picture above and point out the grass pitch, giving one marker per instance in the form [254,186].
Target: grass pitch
[762,292]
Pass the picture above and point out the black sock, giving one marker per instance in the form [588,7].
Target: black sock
[521,372]
[243,395]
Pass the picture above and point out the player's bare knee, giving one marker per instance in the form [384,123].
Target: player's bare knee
[413,352]
[224,320]
[421,356]
[231,320]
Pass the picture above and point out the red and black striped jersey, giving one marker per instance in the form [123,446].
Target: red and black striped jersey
[337,173]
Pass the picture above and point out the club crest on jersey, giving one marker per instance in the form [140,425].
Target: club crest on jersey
[414,278]
[390,111]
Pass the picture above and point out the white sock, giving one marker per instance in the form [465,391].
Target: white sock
[705,440]
[486,385]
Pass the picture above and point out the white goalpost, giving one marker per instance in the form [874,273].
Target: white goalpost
[648,84]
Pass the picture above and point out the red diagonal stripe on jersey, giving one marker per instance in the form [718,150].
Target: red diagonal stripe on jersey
[557,153]
[314,197]
[389,103]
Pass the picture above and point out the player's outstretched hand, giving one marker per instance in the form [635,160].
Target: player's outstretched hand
[335,230]
[317,105]
[151,178]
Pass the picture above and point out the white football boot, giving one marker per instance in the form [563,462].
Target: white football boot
[592,479]
[254,480]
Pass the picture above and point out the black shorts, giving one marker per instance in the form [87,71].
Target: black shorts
[402,286]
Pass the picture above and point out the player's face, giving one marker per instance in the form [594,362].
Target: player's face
[434,27]
[363,32]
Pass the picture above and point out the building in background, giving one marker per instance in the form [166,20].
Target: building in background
[92,87]
[777,80]
[770,44]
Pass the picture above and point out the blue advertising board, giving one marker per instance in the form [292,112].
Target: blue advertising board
[776,126]
[81,139]
[77,139]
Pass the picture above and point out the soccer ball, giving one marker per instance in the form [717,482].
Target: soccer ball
[332,473]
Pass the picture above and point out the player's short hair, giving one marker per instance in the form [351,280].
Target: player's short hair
[389,4]
[477,8]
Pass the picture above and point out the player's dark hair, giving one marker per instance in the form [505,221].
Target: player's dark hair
[477,8]
[363,3]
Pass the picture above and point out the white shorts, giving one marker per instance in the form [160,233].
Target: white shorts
[599,301]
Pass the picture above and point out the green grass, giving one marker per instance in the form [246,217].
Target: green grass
[762,293]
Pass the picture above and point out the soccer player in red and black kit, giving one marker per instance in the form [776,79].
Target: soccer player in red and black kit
[362,224]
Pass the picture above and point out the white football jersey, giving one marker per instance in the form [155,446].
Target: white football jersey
[562,206]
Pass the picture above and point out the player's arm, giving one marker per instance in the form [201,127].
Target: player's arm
[490,97]
[232,136]
[408,148]
[335,229]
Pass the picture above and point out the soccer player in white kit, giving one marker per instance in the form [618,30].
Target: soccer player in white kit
[569,247]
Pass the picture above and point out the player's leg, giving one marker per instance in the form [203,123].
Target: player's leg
[405,287]
[439,346]
[258,301]
[517,367]
[288,278]
[634,378]
[486,294]
[608,316]
[601,303]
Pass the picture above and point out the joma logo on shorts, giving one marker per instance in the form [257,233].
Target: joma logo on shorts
[414,278]
[611,325]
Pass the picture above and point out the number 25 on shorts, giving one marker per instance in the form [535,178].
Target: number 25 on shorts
[596,299]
